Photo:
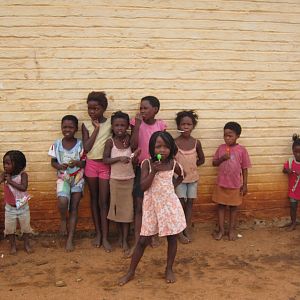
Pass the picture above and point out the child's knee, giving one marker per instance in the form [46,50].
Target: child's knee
[294,204]
[62,203]
[144,241]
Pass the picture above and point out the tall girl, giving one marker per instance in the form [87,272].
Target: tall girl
[16,198]
[162,211]
[233,162]
[95,132]
[190,155]
[118,154]
[292,169]
[143,126]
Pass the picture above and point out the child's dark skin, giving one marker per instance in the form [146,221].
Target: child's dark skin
[293,207]
[230,138]
[144,241]
[69,141]
[6,176]
[186,142]
[147,114]
[99,200]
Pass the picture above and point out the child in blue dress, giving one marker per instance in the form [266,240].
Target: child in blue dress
[68,160]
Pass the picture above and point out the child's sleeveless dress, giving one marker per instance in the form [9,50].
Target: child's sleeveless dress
[162,210]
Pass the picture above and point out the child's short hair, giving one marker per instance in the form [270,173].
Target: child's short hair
[296,140]
[119,115]
[154,102]
[234,126]
[168,139]
[70,118]
[18,160]
[99,97]
[187,113]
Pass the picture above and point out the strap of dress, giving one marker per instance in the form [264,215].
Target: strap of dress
[148,160]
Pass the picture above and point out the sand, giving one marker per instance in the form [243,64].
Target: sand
[263,264]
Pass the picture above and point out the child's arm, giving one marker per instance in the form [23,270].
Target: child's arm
[22,186]
[201,157]
[134,141]
[88,141]
[106,155]
[2,177]
[178,170]
[244,187]
[218,161]
[57,166]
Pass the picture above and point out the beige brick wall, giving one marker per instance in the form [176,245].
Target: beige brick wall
[229,60]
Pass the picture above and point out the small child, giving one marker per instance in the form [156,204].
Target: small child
[162,211]
[143,126]
[118,154]
[95,132]
[232,160]
[292,168]
[16,198]
[190,155]
[67,159]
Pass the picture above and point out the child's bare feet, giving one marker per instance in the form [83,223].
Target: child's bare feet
[97,241]
[129,276]
[182,238]
[125,246]
[130,251]
[63,228]
[13,250]
[170,276]
[27,247]
[187,234]
[218,235]
[106,245]
[231,235]
[291,227]
[69,245]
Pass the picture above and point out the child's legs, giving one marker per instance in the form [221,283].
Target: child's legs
[172,250]
[93,185]
[293,210]
[232,219]
[125,230]
[73,214]
[192,188]
[221,219]
[24,220]
[103,204]
[62,204]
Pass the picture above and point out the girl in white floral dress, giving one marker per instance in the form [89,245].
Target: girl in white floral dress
[162,211]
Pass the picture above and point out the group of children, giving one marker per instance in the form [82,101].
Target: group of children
[147,178]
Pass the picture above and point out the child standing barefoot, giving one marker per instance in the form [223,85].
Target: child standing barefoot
[16,198]
[143,126]
[190,155]
[118,154]
[67,155]
[292,168]
[233,161]
[95,132]
[162,211]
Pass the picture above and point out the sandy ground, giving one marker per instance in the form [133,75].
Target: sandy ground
[263,264]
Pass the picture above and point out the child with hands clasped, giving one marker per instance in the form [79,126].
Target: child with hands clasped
[118,154]
[292,169]
[16,198]
[95,132]
[143,126]
[190,155]
[68,159]
[233,162]
[162,211]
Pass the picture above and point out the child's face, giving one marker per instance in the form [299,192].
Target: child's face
[95,110]
[119,127]
[296,152]
[147,110]
[68,128]
[8,165]
[186,125]
[161,148]
[230,137]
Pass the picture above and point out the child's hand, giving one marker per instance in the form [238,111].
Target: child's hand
[73,163]
[63,166]
[124,159]
[2,177]
[138,118]
[226,156]
[158,166]
[7,177]
[96,123]
[243,190]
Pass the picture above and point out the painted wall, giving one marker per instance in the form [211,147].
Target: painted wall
[228,60]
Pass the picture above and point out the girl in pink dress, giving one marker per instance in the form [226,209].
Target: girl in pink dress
[162,211]
[292,169]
